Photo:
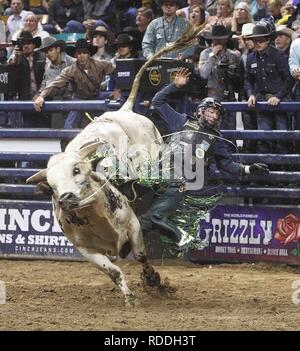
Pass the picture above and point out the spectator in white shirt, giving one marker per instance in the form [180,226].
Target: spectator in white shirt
[16,20]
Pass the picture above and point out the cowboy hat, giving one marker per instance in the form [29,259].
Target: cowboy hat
[50,42]
[247,30]
[26,37]
[125,39]
[218,32]
[101,30]
[81,44]
[282,29]
[259,30]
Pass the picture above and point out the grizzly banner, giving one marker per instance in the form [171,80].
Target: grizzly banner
[249,233]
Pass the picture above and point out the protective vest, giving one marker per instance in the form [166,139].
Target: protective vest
[199,136]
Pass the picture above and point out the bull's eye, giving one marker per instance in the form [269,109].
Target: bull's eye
[76,171]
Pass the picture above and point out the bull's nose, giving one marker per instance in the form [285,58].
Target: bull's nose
[66,197]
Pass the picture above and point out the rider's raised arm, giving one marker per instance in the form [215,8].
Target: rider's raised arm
[173,119]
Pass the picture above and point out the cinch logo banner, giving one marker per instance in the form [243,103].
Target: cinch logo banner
[246,233]
[31,229]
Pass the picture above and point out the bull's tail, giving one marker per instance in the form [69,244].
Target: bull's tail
[187,39]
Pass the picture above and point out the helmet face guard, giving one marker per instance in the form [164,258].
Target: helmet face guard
[209,103]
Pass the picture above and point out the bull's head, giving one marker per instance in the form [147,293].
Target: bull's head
[69,178]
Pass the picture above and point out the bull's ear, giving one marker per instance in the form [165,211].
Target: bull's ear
[37,177]
[89,149]
[44,188]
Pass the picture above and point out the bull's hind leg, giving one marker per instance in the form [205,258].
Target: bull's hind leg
[150,276]
[114,272]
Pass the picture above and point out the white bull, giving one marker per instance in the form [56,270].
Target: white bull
[92,213]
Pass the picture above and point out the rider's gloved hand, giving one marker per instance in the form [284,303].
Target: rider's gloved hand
[255,169]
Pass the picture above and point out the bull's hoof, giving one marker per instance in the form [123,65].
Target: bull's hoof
[166,289]
[131,301]
[151,280]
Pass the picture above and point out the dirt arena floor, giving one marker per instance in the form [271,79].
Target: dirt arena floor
[47,295]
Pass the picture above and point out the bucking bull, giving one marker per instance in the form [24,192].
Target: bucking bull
[93,214]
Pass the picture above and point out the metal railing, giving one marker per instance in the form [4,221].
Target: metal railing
[11,186]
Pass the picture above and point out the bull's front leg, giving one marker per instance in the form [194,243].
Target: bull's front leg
[150,276]
[114,272]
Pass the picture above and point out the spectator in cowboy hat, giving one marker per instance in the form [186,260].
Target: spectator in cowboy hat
[101,38]
[81,46]
[31,62]
[57,60]
[246,44]
[31,65]
[220,66]
[284,38]
[126,47]
[267,79]
[134,32]
[85,76]
[51,42]
[249,118]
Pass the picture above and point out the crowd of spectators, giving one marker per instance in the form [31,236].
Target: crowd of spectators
[248,51]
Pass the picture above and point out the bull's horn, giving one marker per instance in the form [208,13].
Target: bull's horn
[37,177]
[88,149]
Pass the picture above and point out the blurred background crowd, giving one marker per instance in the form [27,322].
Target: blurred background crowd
[247,51]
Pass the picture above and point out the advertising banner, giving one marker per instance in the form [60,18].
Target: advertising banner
[8,78]
[250,233]
[30,229]
[158,74]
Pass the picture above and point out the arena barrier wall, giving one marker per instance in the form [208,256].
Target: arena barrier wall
[232,231]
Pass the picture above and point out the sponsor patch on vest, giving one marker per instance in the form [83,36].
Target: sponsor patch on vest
[205,145]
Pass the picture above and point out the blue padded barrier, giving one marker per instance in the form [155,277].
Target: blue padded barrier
[255,190]
[24,156]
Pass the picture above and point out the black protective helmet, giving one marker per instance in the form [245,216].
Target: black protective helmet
[206,103]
